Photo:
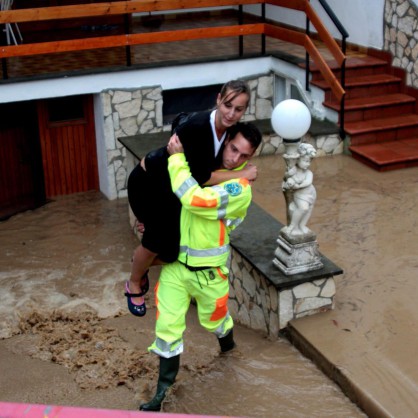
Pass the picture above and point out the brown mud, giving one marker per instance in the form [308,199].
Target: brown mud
[68,339]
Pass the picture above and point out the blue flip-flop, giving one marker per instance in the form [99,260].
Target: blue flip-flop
[134,309]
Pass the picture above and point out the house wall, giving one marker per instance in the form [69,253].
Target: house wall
[362,19]
[172,77]
[132,112]
[128,112]
[401,34]
[108,89]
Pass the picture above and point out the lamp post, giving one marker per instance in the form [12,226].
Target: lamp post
[298,249]
[291,120]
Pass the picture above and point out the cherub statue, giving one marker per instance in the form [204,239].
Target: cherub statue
[300,193]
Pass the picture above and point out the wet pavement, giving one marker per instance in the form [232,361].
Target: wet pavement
[67,337]
[366,222]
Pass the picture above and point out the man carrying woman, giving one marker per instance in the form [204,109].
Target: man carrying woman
[208,215]
[149,189]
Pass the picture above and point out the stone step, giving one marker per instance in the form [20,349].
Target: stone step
[389,155]
[364,86]
[355,66]
[365,108]
[384,129]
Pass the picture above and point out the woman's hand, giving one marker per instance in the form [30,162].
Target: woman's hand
[174,145]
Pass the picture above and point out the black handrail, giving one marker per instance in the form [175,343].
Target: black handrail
[240,22]
[344,35]
[334,19]
[263,36]
[307,61]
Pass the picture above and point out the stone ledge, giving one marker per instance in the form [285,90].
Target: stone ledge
[140,145]
[255,240]
[318,127]
[261,296]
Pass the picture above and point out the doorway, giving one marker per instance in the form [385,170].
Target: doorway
[47,149]
[21,176]
[68,143]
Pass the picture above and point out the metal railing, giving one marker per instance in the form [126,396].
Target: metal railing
[127,8]
[344,36]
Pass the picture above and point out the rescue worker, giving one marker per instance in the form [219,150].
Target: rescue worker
[149,190]
[208,215]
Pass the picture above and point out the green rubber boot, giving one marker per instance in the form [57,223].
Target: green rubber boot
[227,343]
[169,368]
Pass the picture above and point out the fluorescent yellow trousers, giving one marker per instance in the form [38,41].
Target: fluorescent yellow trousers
[175,289]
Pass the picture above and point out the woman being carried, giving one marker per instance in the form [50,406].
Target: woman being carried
[149,190]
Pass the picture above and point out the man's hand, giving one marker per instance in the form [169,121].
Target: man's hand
[174,145]
[249,172]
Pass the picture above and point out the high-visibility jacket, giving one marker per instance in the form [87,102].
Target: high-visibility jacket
[208,214]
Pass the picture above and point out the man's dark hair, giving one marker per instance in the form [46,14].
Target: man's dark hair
[249,131]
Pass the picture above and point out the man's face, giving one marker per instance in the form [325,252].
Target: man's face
[236,152]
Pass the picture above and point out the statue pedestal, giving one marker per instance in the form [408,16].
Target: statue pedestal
[293,257]
[263,297]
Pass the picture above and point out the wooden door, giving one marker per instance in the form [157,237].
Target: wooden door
[68,145]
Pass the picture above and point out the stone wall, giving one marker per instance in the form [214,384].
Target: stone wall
[401,37]
[260,305]
[131,112]
[328,144]
[126,113]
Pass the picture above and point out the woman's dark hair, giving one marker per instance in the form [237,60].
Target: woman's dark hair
[248,130]
[233,89]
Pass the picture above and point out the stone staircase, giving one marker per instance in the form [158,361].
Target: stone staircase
[381,113]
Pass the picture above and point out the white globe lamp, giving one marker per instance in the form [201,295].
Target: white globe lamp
[291,119]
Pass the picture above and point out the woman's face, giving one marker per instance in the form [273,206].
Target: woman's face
[230,111]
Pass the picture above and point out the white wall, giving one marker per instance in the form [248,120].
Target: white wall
[168,77]
[363,20]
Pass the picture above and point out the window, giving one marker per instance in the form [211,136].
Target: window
[63,109]
[192,99]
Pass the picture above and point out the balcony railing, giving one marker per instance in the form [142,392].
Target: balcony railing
[127,8]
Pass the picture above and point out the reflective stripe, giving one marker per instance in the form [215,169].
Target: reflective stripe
[226,326]
[224,200]
[209,252]
[221,213]
[233,222]
[166,349]
[187,184]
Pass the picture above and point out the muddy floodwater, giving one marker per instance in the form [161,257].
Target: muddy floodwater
[68,339]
